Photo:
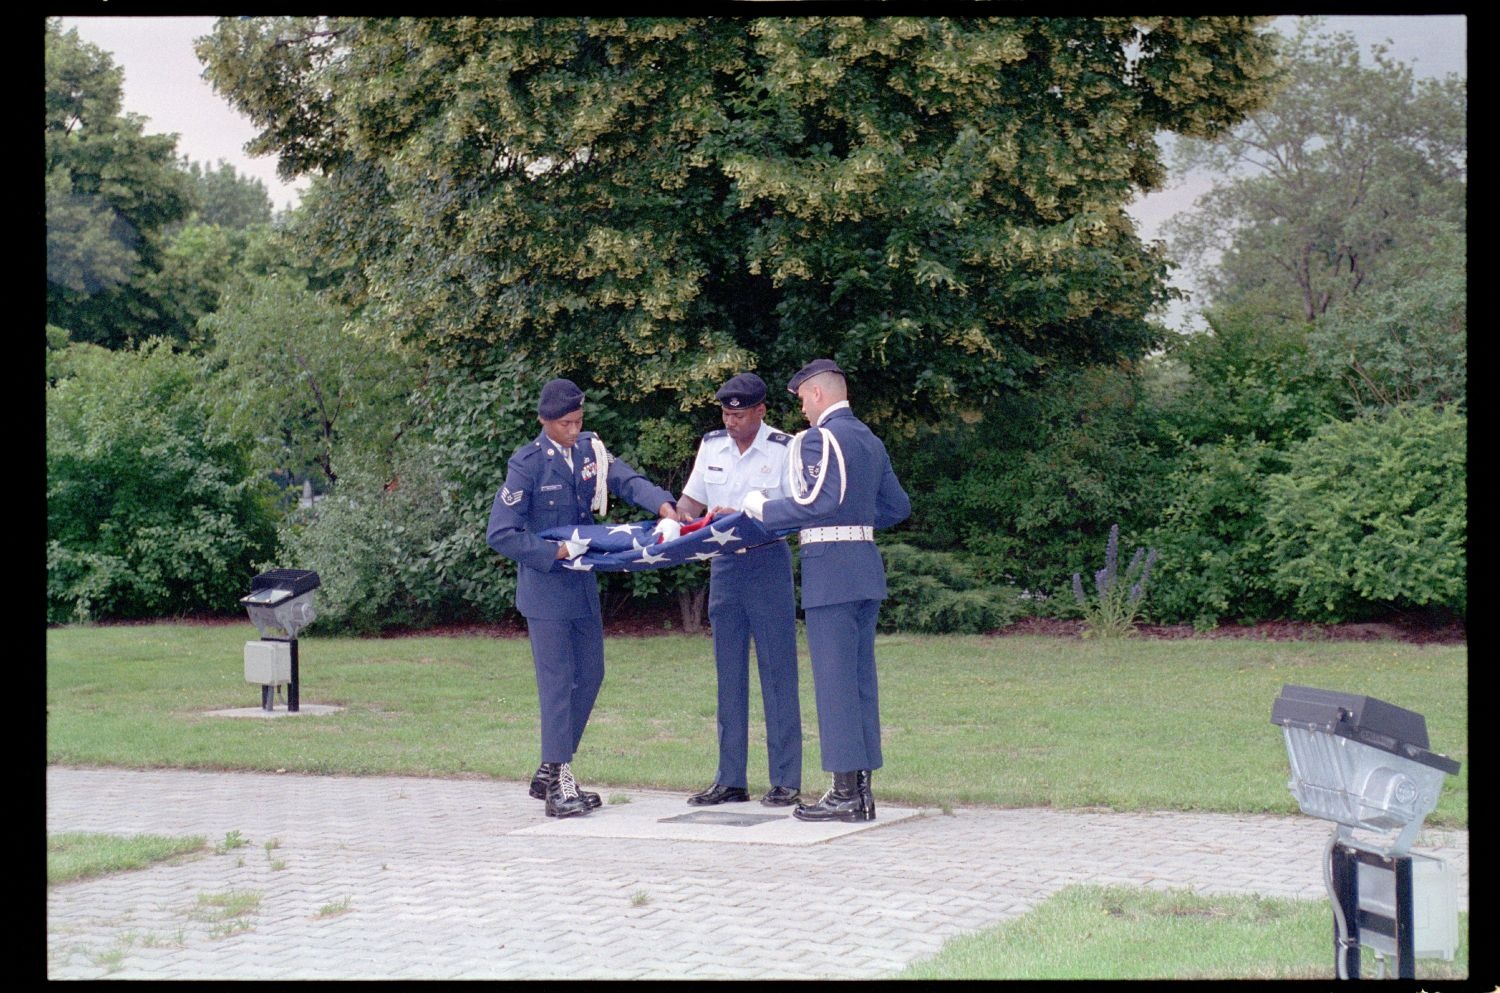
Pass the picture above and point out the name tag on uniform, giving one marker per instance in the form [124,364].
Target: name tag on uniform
[715,474]
[554,486]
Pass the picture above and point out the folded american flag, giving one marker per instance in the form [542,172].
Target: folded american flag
[633,547]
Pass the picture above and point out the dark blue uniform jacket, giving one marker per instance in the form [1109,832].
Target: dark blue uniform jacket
[540,492]
[843,571]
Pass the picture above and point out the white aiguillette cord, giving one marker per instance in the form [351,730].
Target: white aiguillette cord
[794,466]
[601,489]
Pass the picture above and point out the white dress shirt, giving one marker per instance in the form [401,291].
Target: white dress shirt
[722,474]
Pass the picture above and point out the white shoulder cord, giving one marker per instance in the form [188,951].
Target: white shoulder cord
[794,467]
[601,480]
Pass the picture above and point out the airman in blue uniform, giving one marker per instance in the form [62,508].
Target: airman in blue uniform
[750,596]
[550,482]
[843,490]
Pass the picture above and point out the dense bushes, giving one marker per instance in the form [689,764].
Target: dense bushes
[1209,538]
[383,548]
[148,512]
[1370,515]
[942,593]
[1226,456]
[1029,490]
[406,547]
[1274,477]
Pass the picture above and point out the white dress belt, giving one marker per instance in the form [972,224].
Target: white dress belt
[846,532]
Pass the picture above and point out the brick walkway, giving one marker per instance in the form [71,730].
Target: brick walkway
[383,878]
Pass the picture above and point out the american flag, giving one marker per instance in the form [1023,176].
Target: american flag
[634,548]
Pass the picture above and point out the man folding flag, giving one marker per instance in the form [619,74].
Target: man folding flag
[643,545]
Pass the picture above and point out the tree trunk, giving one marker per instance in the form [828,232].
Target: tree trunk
[692,604]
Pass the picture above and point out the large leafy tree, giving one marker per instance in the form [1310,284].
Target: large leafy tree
[1350,163]
[651,204]
[111,190]
[227,199]
[291,376]
[1404,340]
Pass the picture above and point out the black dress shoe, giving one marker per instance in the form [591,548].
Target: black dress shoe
[719,794]
[540,779]
[780,796]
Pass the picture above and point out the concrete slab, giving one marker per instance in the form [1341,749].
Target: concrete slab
[305,710]
[667,817]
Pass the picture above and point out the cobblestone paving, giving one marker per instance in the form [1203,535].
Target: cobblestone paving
[394,878]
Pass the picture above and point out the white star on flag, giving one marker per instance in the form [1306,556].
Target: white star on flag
[648,559]
[619,547]
[720,537]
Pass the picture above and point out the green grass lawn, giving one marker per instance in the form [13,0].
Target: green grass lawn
[1092,932]
[81,855]
[1130,724]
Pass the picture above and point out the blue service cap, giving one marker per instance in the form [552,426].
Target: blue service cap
[810,370]
[559,397]
[745,390]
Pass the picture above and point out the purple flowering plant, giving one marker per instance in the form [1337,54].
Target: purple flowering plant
[1112,611]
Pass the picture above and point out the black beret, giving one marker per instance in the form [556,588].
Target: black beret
[559,397]
[745,390]
[810,370]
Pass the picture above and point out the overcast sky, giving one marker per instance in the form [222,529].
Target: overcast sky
[163,82]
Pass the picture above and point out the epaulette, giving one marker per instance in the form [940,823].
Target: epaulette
[720,433]
[779,438]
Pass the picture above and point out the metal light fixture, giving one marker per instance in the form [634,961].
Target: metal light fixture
[1361,762]
[1367,766]
[280,605]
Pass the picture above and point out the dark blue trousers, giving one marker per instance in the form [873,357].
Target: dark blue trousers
[841,638]
[751,597]
[569,660]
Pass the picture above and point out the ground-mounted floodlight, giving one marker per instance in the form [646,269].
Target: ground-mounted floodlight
[1367,766]
[280,605]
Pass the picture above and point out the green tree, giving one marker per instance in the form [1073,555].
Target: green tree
[226,199]
[1249,377]
[290,374]
[1407,340]
[648,205]
[110,190]
[149,511]
[651,204]
[196,263]
[1350,162]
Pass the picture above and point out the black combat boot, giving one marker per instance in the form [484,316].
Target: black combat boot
[866,798]
[562,792]
[842,802]
[542,777]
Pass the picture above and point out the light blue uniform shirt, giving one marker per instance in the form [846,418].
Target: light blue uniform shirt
[722,475]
